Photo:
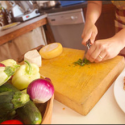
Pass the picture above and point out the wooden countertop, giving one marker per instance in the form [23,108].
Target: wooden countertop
[24,27]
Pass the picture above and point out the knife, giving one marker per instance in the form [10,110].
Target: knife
[88,44]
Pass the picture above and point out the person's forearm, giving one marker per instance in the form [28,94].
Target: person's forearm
[120,37]
[93,11]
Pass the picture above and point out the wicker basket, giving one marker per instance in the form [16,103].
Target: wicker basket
[48,112]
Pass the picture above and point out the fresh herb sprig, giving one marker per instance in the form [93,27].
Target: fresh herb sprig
[81,62]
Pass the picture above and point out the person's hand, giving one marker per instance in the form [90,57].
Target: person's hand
[89,32]
[103,50]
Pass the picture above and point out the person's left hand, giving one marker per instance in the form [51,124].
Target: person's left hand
[103,50]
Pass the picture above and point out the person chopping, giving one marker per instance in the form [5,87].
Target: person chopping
[104,49]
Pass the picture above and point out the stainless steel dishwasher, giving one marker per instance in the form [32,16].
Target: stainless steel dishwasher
[67,28]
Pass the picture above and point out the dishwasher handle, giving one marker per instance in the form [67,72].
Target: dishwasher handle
[72,17]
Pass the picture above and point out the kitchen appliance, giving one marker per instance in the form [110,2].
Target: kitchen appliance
[23,10]
[47,4]
[80,87]
[67,28]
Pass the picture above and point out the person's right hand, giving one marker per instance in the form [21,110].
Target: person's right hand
[89,32]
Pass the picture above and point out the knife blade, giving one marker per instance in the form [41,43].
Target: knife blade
[88,44]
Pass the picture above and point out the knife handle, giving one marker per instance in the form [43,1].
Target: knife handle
[88,44]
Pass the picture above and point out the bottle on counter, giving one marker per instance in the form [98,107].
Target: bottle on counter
[3,17]
[9,16]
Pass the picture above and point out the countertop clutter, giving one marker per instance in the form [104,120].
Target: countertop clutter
[21,25]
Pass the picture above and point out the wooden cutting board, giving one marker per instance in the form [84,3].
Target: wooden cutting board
[80,88]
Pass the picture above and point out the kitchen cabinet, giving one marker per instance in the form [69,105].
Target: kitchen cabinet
[105,23]
[49,34]
[23,28]
[16,41]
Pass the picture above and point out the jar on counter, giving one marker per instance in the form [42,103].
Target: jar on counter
[3,18]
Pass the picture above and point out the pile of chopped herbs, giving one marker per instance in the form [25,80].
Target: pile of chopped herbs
[81,62]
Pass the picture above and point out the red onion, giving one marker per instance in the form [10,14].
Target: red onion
[2,65]
[40,90]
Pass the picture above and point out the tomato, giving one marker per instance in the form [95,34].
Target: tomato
[14,122]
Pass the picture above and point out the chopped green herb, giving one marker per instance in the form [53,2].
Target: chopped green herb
[81,62]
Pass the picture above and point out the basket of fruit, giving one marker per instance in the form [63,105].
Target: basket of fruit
[25,97]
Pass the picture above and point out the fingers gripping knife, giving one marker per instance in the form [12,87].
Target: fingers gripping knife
[88,46]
